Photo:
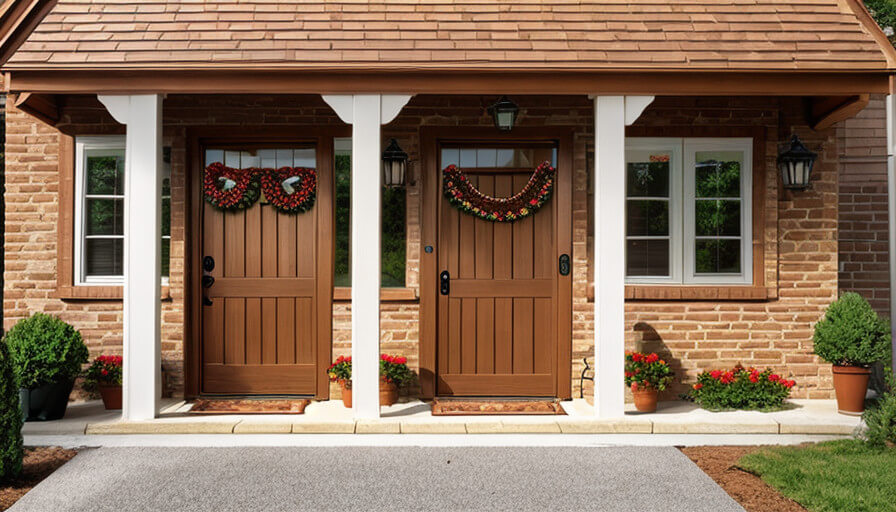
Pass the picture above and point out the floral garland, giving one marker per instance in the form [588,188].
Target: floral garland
[290,189]
[230,189]
[466,198]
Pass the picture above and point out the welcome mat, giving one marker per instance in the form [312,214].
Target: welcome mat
[457,407]
[249,406]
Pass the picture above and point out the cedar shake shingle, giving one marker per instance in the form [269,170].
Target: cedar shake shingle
[454,34]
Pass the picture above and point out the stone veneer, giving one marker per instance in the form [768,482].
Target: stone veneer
[801,231]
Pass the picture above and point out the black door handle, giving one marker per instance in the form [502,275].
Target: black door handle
[208,264]
[445,282]
[208,281]
[564,264]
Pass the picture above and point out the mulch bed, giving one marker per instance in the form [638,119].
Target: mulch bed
[38,464]
[719,462]
[247,406]
[493,407]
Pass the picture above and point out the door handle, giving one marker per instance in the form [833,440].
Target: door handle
[444,283]
[563,264]
[208,281]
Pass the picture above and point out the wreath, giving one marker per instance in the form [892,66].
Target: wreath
[230,189]
[468,199]
[290,189]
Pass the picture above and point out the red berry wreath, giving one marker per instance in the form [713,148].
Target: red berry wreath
[230,189]
[468,199]
[290,189]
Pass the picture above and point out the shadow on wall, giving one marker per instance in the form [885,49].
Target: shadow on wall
[648,340]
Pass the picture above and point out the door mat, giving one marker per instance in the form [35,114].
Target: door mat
[249,406]
[456,407]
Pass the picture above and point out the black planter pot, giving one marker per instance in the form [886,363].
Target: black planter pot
[45,403]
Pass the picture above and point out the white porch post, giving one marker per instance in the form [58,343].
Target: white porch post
[891,201]
[142,251]
[366,112]
[611,115]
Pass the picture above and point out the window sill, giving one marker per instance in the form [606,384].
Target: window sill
[344,294]
[636,292]
[99,293]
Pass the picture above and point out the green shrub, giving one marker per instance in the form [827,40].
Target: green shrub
[880,419]
[10,419]
[851,333]
[740,388]
[44,349]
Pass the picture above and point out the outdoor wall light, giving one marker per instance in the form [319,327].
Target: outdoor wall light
[504,112]
[395,162]
[795,165]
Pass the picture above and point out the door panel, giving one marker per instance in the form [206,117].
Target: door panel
[496,334]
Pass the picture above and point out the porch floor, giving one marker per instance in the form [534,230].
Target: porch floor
[414,417]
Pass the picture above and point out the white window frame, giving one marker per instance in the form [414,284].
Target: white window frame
[682,209]
[83,147]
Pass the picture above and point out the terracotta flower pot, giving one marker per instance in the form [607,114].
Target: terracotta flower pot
[850,385]
[645,399]
[111,395]
[346,393]
[388,393]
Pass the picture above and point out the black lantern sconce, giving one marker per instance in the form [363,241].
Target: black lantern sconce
[395,162]
[795,165]
[504,113]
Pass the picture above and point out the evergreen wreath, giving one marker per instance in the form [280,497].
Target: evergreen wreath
[290,189]
[468,199]
[230,189]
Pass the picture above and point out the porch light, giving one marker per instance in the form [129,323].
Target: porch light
[504,112]
[395,162]
[795,165]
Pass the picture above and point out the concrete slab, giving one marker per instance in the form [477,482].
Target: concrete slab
[431,427]
[485,427]
[377,427]
[77,416]
[539,425]
[218,426]
[322,427]
[597,426]
[262,427]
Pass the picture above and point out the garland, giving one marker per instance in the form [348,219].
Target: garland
[288,189]
[466,198]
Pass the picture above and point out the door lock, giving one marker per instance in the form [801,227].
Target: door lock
[564,264]
[445,282]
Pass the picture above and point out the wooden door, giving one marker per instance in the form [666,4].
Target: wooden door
[497,331]
[259,332]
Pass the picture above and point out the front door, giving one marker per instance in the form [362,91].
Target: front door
[260,319]
[497,332]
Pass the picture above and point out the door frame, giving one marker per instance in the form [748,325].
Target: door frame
[196,140]
[431,192]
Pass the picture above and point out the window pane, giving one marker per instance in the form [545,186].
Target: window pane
[718,173]
[647,258]
[306,157]
[166,257]
[717,218]
[166,216]
[648,179]
[467,158]
[647,218]
[104,256]
[486,157]
[718,256]
[105,216]
[450,156]
[343,219]
[105,175]
[504,158]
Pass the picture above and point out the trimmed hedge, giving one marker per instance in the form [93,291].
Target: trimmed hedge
[851,333]
[44,350]
[10,419]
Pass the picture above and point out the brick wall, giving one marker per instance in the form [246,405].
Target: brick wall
[863,232]
[801,254]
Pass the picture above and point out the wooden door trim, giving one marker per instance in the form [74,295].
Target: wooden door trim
[429,139]
[196,139]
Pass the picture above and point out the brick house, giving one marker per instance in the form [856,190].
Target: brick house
[657,118]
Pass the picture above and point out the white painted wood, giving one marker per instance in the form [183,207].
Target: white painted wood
[142,251]
[634,107]
[609,255]
[891,201]
[342,104]
[392,105]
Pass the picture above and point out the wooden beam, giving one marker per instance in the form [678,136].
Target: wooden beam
[41,106]
[827,111]
[259,81]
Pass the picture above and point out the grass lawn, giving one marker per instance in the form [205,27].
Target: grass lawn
[832,476]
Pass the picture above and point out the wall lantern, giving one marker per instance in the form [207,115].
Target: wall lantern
[504,112]
[795,165]
[395,162]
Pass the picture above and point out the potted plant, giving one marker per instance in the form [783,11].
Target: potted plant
[740,388]
[394,373]
[104,375]
[852,337]
[47,355]
[646,375]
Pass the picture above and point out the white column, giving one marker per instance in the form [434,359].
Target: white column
[611,115]
[366,112]
[891,201]
[142,251]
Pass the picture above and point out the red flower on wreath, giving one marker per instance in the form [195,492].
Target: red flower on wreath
[230,189]
[464,196]
[290,189]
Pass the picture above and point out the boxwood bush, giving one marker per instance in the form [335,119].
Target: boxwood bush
[851,333]
[10,419]
[880,418]
[44,349]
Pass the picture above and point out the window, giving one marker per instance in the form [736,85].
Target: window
[99,210]
[688,211]
[393,241]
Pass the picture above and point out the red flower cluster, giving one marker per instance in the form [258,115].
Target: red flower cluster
[105,370]
[110,360]
[646,358]
[740,388]
[242,195]
[393,359]
[468,199]
[286,196]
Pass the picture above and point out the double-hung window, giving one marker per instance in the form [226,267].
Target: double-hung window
[688,211]
[99,211]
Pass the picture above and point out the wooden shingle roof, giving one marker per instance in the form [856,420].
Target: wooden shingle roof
[593,35]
